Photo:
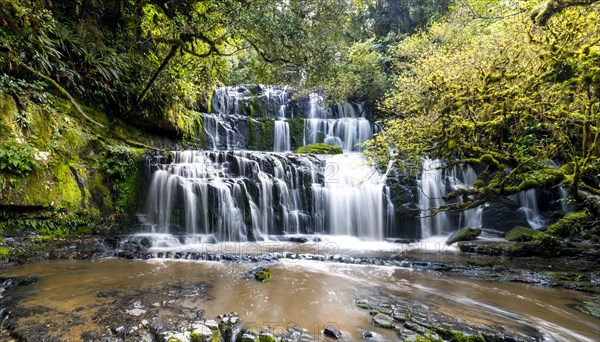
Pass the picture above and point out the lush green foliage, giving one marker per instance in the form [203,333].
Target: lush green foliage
[491,79]
[17,157]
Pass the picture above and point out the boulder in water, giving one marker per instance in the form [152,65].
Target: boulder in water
[465,234]
[520,233]
[383,321]
[261,274]
[332,331]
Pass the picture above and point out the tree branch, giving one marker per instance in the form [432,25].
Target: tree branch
[154,76]
[62,90]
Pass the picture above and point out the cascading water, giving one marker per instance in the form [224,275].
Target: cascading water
[240,196]
[281,136]
[229,194]
[342,125]
[436,182]
[529,207]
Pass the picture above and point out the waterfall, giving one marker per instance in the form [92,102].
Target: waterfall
[435,182]
[431,189]
[246,196]
[281,136]
[343,124]
[230,194]
[529,207]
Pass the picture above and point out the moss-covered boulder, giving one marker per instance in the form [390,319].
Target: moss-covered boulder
[569,225]
[520,233]
[542,245]
[264,274]
[320,149]
[465,234]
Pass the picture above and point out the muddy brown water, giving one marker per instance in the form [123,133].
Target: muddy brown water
[308,294]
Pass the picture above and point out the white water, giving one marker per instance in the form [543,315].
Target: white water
[435,182]
[529,207]
[281,136]
[342,125]
[240,196]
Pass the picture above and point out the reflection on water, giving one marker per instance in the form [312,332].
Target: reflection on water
[308,294]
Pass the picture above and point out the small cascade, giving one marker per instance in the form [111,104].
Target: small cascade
[250,99]
[464,177]
[342,125]
[281,136]
[529,207]
[248,196]
[431,190]
[221,133]
[436,182]
[564,194]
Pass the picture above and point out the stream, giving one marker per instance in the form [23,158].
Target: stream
[73,298]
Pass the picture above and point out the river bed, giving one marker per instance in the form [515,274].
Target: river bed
[70,299]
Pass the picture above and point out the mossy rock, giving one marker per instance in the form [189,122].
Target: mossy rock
[564,276]
[320,149]
[464,234]
[384,321]
[569,225]
[364,304]
[520,233]
[266,338]
[263,275]
[458,336]
[542,245]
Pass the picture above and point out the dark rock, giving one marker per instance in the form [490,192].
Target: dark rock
[464,234]
[368,335]
[384,321]
[503,214]
[332,331]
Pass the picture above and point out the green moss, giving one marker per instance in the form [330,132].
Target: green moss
[296,132]
[564,276]
[66,190]
[100,193]
[542,245]
[8,110]
[569,225]
[319,149]
[485,159]
[540,179]
[479,183]
[458,336]
[190,125]
[263,275]
[364,306]
[266,338]
[265,140]
[520,233]
[123,166]
[4,251]
[260,134]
